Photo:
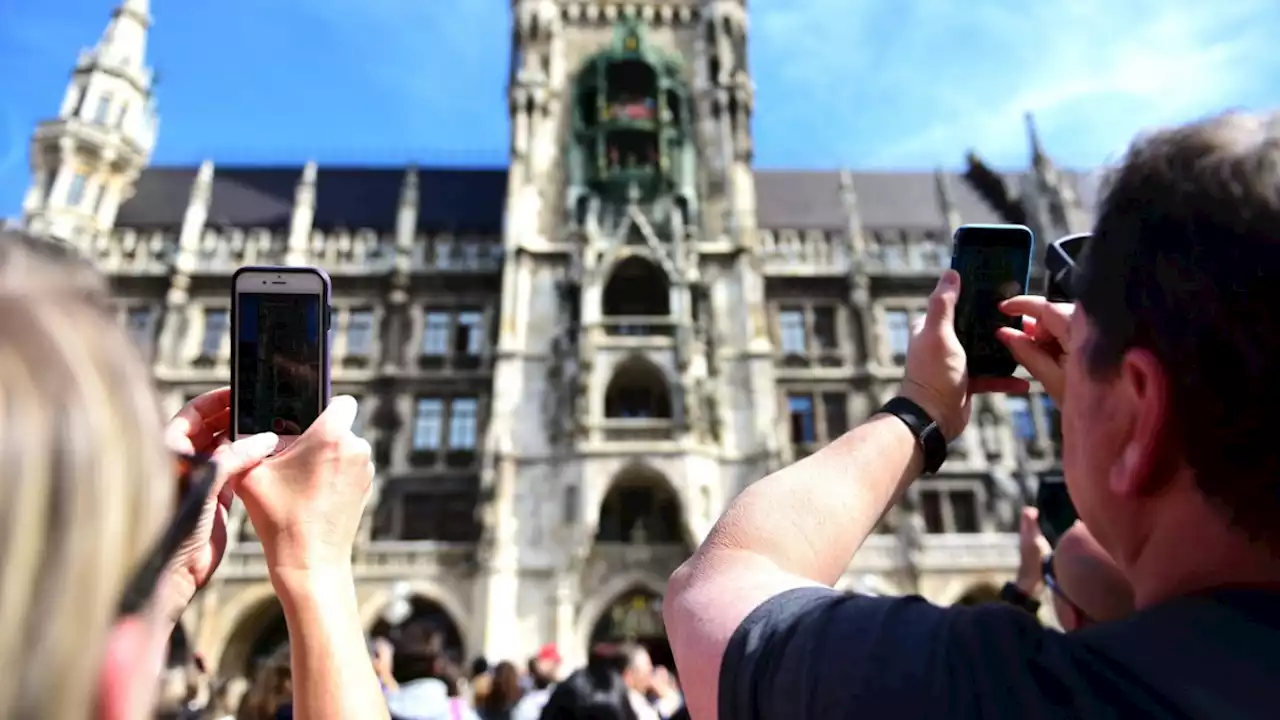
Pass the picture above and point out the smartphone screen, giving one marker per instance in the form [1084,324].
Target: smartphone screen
[994,262]
[280,352]
[1057,512]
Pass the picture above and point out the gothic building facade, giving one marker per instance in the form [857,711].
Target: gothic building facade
[569,365]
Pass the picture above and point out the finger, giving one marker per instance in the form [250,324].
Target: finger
[211,432]
[234,459]
[1054,318]
[1030,516]
[941,314]
[192,416]
[1030,354]
[1007,385]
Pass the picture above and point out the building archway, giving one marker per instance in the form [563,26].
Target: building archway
[637,287]
[979,593]
[261,633]
[641,508]
[635,616]
[428,624]
[637,390]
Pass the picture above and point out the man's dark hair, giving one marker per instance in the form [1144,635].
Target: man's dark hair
[1185,263]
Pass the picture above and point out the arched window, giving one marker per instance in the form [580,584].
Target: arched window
[637,287]
[635,616]
[640,508]
[638,390]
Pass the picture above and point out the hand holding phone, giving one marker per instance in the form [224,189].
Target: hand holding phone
[994,263]
[279,350]
[1057,511]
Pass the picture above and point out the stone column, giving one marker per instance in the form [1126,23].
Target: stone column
[174,331]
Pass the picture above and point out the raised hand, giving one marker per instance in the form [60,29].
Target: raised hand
[201,428]
[306,501]
[1041,346]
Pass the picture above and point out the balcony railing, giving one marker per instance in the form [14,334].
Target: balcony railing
[638,326]
[394,559]
[638,429]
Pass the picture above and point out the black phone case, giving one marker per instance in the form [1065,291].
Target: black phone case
[1000,363]
[326,312]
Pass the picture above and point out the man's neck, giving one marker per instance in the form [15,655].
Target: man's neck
[1196,551]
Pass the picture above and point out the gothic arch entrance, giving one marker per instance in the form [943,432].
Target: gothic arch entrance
[259,636]
[635,616]
[428,623]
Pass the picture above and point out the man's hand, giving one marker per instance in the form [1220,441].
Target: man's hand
[306,502]
[1041,346]
[200,428]
[936,375]
[1032,550]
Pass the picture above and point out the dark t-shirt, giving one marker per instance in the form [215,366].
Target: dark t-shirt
[819,654]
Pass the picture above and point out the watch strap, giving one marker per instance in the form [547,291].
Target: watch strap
[928,435]
[1014,595]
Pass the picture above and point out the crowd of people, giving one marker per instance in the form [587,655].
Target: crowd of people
[1166,368]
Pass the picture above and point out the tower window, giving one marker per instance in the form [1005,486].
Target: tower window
[469,338]
[462,424]
[428,424]
[899,326]
[103,111]
[791,331]
[360,333]
[216,323]
[75,193]
[435,334]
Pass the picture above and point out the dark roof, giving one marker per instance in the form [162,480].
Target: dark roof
[252,197]
[789,199]
[352,197]
[357,197]
[160,199]
[462,199]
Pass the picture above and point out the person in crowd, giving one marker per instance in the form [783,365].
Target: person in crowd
[96,564]
[272,688]
[225,698]
[504,693]
[664,692]
[1085,584]
[1167,371]
[540,680]
[596,692]
[429,687]
[637,674]
[481,680]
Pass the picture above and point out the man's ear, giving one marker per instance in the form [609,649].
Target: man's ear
[129,672]
[1145,458]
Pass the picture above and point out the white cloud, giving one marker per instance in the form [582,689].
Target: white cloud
[949,75]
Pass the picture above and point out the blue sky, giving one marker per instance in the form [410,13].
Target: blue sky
[892,84]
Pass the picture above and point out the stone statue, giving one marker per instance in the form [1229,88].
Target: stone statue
[1004,499]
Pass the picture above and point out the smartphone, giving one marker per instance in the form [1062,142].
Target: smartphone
[994,262]
[279,350]
[1060,261]
[1057,512]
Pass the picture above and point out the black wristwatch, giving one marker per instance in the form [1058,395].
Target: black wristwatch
[928,435]
[1013,595]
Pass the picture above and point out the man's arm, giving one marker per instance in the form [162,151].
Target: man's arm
[801,526]
[796,528]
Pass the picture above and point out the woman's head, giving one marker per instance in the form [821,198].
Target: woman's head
[505,689]
[272,687]
[86,490]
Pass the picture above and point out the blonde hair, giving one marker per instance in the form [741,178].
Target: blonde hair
[87,484]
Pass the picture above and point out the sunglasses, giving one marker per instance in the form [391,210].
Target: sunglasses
[195,475]
[1062,265]
[1051,581]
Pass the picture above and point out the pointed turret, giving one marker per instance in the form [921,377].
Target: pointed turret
[1039,158]
[84,162]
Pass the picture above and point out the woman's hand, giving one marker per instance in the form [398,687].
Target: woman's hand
[201,427]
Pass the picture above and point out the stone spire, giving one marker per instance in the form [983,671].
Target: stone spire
[85,161]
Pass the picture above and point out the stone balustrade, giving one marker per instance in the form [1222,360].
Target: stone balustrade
[806,253]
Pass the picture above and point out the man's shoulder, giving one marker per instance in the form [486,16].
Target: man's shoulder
[824,649]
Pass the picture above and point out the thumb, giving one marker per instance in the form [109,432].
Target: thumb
[235,458]
[334,421]
[942,301]
[244,453]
